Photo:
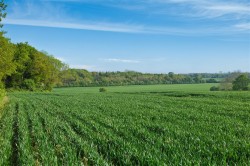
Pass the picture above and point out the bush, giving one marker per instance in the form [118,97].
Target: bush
[29,84]
[214,88]
[245,88]
[102,90]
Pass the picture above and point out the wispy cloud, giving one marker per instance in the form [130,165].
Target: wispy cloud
[97,26]
[123,28]
[38,9]
[227,8]
[208,8]
[243,26]
[121,60]
[201,8]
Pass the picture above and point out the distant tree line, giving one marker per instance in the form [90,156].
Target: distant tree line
[81,78]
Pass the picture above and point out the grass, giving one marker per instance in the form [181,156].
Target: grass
[132,125]
[141,88]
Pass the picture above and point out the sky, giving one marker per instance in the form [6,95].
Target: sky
[152,36]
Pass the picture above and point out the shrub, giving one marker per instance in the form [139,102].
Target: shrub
[29,84]
[214,88]
[246,88]
[102,90]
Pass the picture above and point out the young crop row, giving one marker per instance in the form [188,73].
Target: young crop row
[125,129]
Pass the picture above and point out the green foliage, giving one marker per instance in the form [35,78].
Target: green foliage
[7,67]
[2,95]
[226,84]
[29,84]
[241,82]
[83,78]
[6,55]
[212,80]
[102,90]
[214,88]
[198,78]
[41,70]
[2,13]
[73,126]
[24,67]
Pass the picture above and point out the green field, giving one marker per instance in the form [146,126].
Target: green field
[132,125]
[142,88]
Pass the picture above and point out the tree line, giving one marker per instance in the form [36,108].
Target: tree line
[24,67]
[82,78]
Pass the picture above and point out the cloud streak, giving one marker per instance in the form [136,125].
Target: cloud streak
[121,60]
[243,26]
[208,8]
[201,8]
[84,26]
[127,28]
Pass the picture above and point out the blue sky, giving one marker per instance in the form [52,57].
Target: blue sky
[156,36]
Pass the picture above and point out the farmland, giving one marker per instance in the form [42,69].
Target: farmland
[133,125]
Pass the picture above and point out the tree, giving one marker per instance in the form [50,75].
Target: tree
[2,13]
[226,84]
[197,78]
[241,82]
[6,48]
[29,84]
[171,74]
[22,66]
[6,56]
[34,69]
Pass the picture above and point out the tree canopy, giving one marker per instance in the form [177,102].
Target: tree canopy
[7,66]
[241,82]
[5,56]
[33,69]
[2,12]
[24,67]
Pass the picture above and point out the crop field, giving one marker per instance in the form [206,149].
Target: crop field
[134,125]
